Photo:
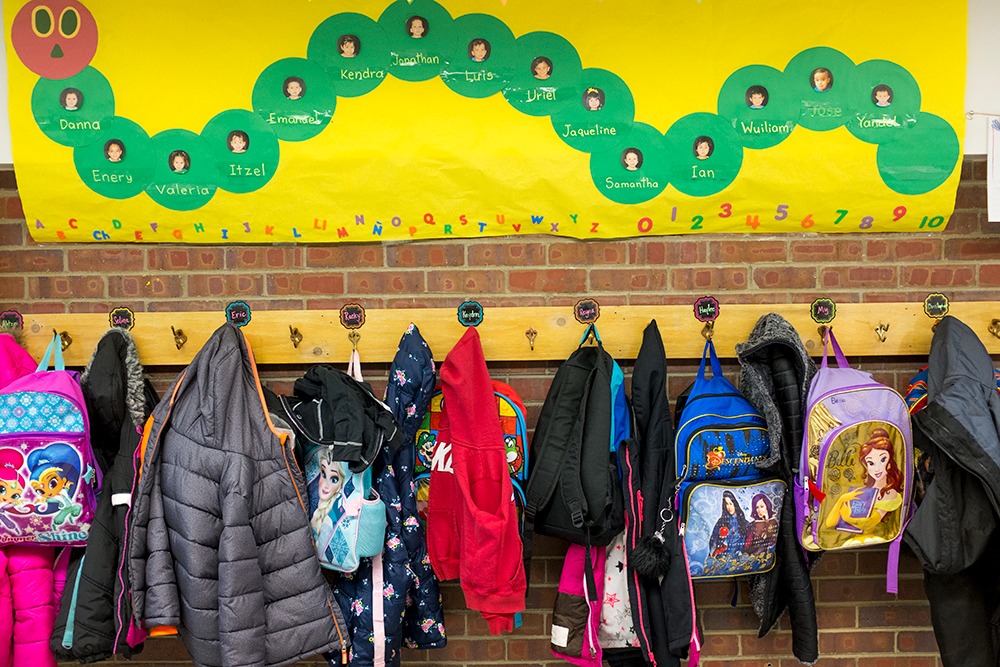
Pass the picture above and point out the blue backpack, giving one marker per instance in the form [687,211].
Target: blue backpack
[729,512]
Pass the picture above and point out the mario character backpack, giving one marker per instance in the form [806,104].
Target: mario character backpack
[515,435]
[48,478]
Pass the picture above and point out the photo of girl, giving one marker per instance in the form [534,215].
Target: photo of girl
[325,479]
[541,68]
[349,46]
[294,87]
[703,147]
[593,99]
[862,510]
[731,530]
[179,162]
[763,533]
[238,141]
[71,99]
[631,159]
[417,27]
[114,150]
[479,50]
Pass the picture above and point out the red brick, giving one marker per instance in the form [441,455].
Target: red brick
[972,248]
[971,196]
[588,253]
[701,279]
[505,253]
[548,280]
[859,277]
[89,307]
[13,209]
[194,305]
[966,173]
[114,260]
[893,249]
[897,661]
[388,282]
[871,589]
[228,285]
[528,650]
[979,169]
[938,277]
[346,255]
[186,259]
[857,641]
[66,287]
[919,641]
[279,258]
[7,179]
[839,249]
[770,646]
[292,284]
[717,644]
[31,261]
[966,222]
[747,251]
[830,618]
[145,287]
[785,278]
[740,618]
[471,282]
[11,234]
[637,279]
[420,255]
[672,252]
[893,615]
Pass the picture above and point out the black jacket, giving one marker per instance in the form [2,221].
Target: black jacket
[118,399]
[776,372]
[953,532]
[661,607]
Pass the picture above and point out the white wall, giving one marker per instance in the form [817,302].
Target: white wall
[982,87]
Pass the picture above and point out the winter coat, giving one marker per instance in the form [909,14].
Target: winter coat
[27,591]
[662,606]
[576,618]
[954,531]
[775,377]
[472,530]
[93,622]
[220,541]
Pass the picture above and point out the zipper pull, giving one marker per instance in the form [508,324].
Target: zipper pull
[681,531]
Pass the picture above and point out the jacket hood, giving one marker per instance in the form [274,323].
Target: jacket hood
[15,361]
[772,338]
[113,381]
[411,382]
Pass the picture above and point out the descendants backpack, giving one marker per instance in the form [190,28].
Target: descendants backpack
[515,436]
[729,512]
[855,481]
[49,481]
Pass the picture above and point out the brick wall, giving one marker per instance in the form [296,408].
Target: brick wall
[860,625]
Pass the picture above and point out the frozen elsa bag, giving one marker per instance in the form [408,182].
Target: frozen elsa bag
[347,517]
[730,528]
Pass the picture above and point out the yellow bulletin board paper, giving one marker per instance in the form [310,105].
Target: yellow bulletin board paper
[326,121]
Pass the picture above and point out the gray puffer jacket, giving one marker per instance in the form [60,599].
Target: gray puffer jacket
[220,545]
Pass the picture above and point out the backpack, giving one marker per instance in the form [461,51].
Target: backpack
[575,490]
[720,438]
[50,480]
[853,426]
[515,436]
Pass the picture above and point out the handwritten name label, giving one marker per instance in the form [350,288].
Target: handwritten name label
[586,311]
[352,316]
[823,310]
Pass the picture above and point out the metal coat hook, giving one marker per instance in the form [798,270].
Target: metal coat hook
[293,333]
[881,330]
[822,329]
[995,328]
[354,337]
[179,337]
[64,337]
[708,330]
[531,334]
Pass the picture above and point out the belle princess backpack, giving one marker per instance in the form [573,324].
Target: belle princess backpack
[48,477]
[855,480]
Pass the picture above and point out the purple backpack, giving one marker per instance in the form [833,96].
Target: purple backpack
[855,479]
[48,479]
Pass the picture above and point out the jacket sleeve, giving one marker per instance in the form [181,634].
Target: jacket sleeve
[34,605]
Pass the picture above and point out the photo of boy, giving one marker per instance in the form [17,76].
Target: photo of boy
[882,95]
[821,79]
[756,97]
[294,87]
[479,50]
[541,68]
[417,27]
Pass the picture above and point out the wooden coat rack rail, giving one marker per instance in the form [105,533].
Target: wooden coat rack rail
[860,327]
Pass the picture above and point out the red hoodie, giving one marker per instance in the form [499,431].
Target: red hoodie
[472,529]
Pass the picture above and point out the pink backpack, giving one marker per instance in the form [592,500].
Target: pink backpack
[48,479]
